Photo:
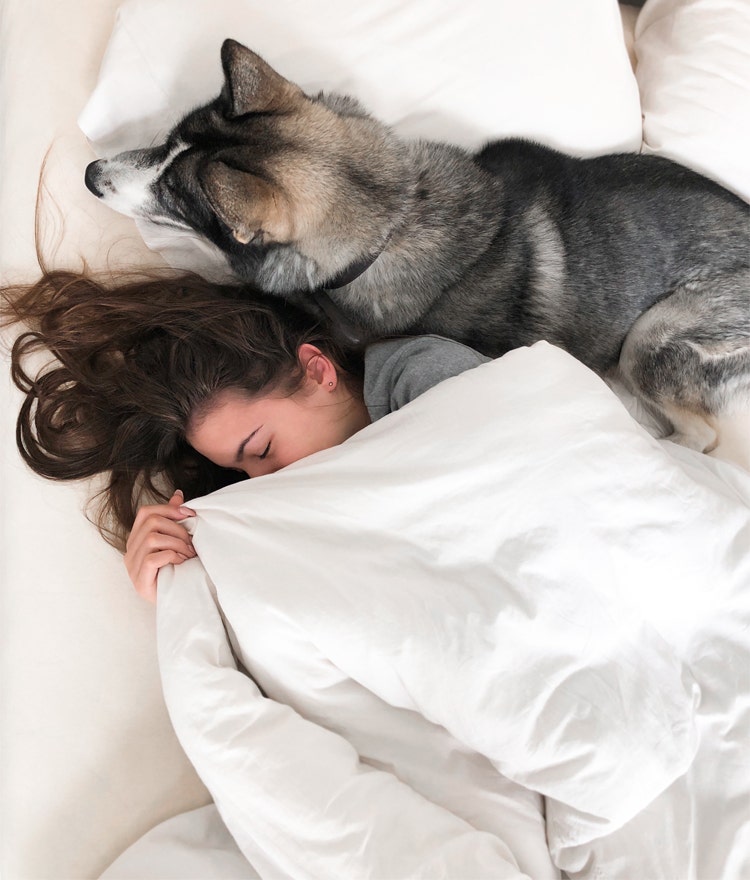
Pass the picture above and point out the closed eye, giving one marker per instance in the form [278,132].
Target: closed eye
[265,451]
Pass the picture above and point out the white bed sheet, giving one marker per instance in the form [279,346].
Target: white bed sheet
[551,586]
[88,758]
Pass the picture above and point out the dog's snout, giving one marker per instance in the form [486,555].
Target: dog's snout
[92,176]
[123,182]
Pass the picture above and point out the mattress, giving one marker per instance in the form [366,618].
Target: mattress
[90,760]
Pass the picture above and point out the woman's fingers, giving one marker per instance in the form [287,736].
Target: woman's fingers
[155,517]
[169,511]
[145,582]
[157,539]
[154,542]
[144,561]
[155,524]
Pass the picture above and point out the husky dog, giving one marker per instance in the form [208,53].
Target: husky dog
[624,261]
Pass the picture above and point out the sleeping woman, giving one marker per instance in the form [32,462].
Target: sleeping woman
[171,387]
[516,649]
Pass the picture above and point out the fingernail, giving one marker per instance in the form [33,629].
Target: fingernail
[186,511]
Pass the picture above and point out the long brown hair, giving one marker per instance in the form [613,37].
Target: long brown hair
[133,359]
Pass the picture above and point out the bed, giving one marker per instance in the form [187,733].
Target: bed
[386,749]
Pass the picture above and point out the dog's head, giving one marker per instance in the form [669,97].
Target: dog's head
[265,166]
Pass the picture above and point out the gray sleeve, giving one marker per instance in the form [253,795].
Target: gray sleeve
[399,370]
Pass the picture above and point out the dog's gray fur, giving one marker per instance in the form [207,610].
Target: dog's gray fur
[621,259]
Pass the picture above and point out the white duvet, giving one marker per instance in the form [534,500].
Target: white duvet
[502,604]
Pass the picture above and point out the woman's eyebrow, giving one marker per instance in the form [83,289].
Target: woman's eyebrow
[243,444]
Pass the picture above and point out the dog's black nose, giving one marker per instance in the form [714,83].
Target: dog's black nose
[91,178]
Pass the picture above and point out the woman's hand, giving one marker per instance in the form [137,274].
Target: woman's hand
[157,539]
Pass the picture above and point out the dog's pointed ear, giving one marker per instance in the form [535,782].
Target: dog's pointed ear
[251,85]
[248,205]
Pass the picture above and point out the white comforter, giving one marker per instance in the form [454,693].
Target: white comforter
[504,600]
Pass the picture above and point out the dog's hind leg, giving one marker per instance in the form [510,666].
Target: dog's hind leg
[734,439]
[688,357]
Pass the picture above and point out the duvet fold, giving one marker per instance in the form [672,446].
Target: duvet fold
[459,623]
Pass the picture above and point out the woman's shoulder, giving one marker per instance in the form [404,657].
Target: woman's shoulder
[405,346]
[400,369]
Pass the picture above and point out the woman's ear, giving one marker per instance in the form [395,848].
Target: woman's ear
[318,367]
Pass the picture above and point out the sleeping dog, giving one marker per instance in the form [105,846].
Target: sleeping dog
[630,263]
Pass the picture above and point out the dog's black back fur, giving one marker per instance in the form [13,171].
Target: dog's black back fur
[631,228]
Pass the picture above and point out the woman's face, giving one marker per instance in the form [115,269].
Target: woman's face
[261,435]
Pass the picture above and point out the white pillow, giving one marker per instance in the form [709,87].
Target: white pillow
[694,77]
[452,70]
